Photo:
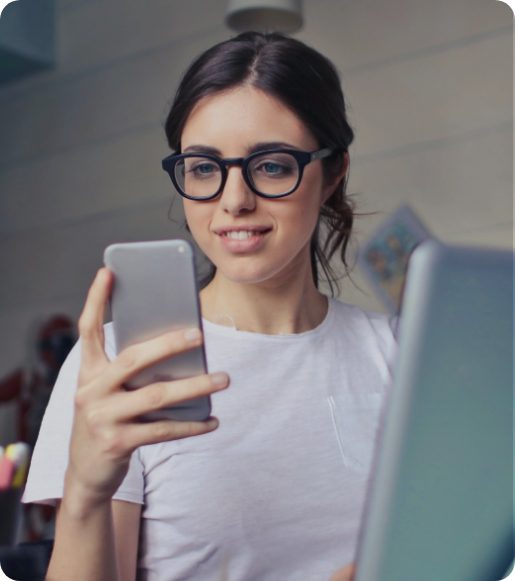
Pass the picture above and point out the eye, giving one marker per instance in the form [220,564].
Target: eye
[203,169]
[274,166]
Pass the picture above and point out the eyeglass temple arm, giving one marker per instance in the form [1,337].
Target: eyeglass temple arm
[321,153]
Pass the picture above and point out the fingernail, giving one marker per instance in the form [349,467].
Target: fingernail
[212,423]
[192,335]
[219,379]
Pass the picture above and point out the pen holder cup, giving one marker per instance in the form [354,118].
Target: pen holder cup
[10,515]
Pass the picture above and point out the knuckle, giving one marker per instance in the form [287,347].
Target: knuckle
[85,327]
[80,399]
[154,395]
[164,431]
[94,418]
[128,358]
[188,429]
[112,442]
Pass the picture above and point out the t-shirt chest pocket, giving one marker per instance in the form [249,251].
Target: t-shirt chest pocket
[355,420]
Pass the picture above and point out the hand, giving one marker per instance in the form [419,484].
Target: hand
[345,574]
[105,429]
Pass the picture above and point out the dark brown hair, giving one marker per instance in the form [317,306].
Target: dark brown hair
[308,84]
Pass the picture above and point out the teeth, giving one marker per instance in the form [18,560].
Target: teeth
[240,234]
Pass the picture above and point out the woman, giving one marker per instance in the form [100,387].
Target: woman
[273,488]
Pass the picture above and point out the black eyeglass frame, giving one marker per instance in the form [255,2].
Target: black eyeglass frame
[303,158]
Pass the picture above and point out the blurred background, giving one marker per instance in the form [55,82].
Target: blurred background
[430,94]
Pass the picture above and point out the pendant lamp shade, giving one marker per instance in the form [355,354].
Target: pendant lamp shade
[264,16]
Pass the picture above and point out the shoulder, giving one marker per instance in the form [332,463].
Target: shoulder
[355,318]
[363,330]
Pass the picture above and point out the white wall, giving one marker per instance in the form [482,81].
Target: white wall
[429,86]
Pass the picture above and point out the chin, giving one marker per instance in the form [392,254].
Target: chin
[253,273]
[261,268]
[244,276]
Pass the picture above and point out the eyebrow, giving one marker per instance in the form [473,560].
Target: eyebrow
[261,146]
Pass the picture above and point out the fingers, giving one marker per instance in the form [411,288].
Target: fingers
[135,435]
[91,321]
[128,405]
[110,421]
[139,356]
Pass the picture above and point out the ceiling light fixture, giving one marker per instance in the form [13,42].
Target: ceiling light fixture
[264,16]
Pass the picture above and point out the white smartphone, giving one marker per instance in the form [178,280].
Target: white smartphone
[154,292]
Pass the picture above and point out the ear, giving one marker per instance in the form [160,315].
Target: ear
[333,180]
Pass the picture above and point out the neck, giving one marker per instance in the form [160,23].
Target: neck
[279,307]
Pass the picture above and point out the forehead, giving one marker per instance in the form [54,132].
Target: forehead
[242,116]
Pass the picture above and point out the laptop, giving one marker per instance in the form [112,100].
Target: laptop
[440,502]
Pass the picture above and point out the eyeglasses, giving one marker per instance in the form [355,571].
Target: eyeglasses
[273,173]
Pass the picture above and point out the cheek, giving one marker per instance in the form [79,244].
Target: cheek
[296,225]
[197,216]
[308,204]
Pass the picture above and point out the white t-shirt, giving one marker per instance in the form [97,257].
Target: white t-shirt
[277,491]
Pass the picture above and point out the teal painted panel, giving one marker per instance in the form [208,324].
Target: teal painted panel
[27,38]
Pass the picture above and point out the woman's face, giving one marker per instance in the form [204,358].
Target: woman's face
[232,124]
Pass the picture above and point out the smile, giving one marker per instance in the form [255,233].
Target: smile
[243,241]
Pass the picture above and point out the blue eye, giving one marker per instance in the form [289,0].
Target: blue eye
[273,169]
[276,165]
[203,169]
[270,167]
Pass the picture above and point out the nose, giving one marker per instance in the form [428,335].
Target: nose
[236,197]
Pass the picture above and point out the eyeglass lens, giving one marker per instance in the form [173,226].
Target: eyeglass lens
[272,174]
